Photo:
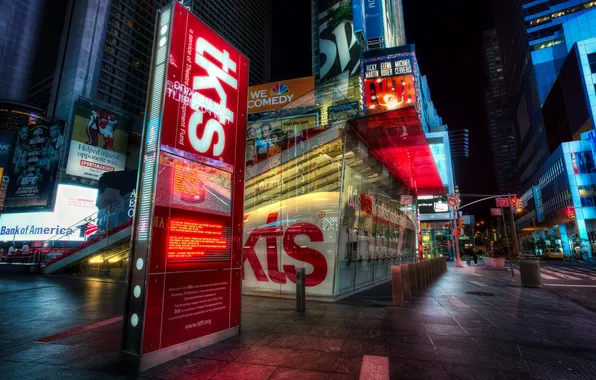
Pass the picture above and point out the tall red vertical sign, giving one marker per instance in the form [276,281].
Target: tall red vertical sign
[184,283]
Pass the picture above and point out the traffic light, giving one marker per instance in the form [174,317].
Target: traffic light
[460,222]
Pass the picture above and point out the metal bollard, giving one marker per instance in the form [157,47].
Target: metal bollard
[300,289]
[405,279]
[413,279]
[397,286]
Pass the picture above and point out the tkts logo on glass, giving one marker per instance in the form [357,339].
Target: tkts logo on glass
[205,106]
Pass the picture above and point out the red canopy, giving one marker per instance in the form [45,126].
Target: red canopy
[398,141]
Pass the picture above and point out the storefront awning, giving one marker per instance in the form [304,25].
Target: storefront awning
[397,140]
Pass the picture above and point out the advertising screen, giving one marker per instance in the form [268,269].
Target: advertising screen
[34,168]
[338,45]
[432,205]
[389,84]
[271,96]
[268,138]
[374,19]
[99,141]
[73,204]
[188,219]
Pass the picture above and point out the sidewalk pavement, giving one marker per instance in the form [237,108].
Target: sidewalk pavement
[470,324]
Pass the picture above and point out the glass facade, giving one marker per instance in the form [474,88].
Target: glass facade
[316,198]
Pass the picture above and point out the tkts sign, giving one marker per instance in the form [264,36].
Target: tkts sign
[203,109]
[184,281]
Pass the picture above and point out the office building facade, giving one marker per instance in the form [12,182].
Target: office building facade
[522,89]
[544,21]
[502,134]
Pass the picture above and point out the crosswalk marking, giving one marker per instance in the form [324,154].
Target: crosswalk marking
[565,276]
[563,273]
[569,270]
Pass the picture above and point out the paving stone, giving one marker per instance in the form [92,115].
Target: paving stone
[245,371]
[292,374]
[445,330]
[311,360]
[221,351]
[415,369]
[348,364]
[317,343]
[191,369]
[264,355]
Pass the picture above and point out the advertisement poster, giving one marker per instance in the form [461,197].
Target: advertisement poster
[188,221]
[73,205]
[268,138]
[271,96]
[389,84]
[34,168]
[374,19]
[7,143]
[99,141]
[338,45]
[343,112]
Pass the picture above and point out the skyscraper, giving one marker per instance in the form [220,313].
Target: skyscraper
[544,20]
[521,87]
[107,47]
[504,146]
[20,23]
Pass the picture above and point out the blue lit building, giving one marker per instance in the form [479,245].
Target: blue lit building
[559,199]
[552,29]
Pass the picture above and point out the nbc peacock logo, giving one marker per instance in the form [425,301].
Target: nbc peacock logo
[279,89]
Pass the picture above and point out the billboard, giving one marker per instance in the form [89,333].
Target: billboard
[373,13]
[389,83]
[339,49]
[73,204]
[188,219]
[34,168]
[99,141]
[432,205]
[343,112]
[266,139]
[7,143]
[271,96]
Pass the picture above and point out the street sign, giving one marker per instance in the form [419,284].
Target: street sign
[495,211]
[502,202]
[453,200]
[406,200]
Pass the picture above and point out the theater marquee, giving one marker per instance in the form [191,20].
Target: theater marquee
[185,282]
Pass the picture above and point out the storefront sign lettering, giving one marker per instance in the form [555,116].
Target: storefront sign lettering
[293,250]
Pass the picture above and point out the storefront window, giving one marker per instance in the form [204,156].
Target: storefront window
[587,195]
[316,199]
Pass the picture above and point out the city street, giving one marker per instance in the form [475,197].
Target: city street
[472,323]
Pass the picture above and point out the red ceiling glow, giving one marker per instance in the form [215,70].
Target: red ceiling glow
[397,140]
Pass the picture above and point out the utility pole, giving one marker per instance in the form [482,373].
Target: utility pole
[513,229]
[458,262]
[507,240]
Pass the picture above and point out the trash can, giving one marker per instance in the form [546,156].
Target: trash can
[530,273]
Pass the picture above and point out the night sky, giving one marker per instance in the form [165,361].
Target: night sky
[448,39]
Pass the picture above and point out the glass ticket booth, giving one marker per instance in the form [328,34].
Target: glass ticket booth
[319,196]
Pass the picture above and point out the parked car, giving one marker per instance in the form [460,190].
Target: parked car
[553,253]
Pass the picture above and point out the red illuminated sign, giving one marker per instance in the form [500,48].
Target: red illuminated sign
[205,103]
[185,281]
[389,83]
